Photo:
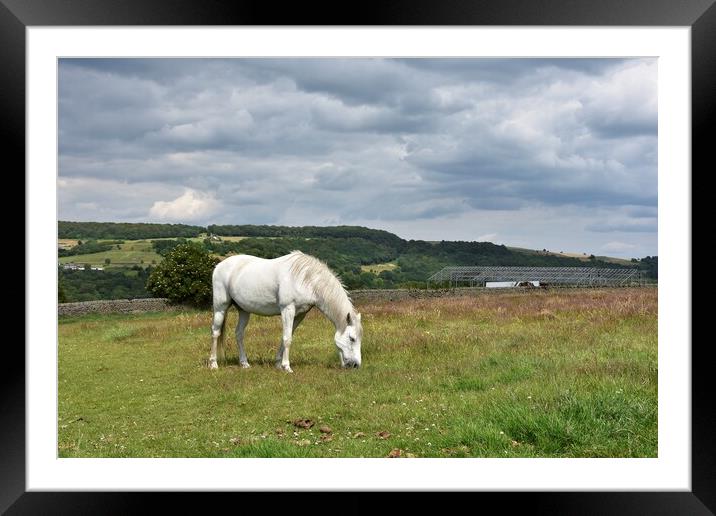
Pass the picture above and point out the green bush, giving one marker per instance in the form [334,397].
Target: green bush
[184,275]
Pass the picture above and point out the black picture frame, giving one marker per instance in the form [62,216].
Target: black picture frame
[700,15]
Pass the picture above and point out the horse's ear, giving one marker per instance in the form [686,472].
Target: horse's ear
[348,318]
[358,317]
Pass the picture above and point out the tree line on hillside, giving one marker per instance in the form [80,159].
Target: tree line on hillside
[337,252]
[89,285]
[374,235]
[185,273]
[649,264]
[162,247]
[146,231]
[125,230]
[414,262]
[346,249]
[88,247]
[359,244]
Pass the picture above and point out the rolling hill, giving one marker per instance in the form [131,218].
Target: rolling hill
[363,257]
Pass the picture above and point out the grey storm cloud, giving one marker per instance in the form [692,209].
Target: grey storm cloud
[382,142]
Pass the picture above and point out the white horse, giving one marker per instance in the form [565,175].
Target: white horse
[289,285]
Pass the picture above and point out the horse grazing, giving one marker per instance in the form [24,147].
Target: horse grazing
[290,286]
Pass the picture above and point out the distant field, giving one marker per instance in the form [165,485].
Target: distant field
[608,259]
[377,268]
[132,252]
[581,256]
[234,238]
[568,373]
[66,243]
[189,239]
[611,259]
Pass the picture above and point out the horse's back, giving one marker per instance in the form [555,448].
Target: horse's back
[252,282]
[231,265]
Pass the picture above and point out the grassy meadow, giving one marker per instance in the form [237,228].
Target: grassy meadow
[131,252]
[126,254]
[558,373]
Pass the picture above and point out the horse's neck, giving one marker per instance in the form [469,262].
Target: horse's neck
[336,310]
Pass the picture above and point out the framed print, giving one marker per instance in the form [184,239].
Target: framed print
[42,47]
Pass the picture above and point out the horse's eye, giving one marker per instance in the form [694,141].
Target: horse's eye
[352,339]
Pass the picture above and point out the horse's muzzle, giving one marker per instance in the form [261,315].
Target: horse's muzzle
[351,365]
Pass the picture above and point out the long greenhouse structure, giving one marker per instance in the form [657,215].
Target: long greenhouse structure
[480,276]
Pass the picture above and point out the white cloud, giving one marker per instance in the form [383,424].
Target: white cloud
[109,199]
[504,144]
[190,206]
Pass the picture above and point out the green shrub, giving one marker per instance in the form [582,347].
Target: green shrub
[184,275]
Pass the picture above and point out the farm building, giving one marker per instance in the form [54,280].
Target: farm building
[78,267]
[491,277]
[509,284]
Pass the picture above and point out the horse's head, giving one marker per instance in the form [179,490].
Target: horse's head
[348,341]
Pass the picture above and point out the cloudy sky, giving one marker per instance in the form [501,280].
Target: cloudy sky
[539,153]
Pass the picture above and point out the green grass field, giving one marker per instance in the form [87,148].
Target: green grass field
[132,252]
[563,373]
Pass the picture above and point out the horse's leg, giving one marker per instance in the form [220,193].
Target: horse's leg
[217,333]
[287,315]
[243,321]
[296,321]
[279,354]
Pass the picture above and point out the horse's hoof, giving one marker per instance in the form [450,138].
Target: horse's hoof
[213,365]
[245,365]
[285,368]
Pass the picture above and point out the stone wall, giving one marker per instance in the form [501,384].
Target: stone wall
[116,306]
[162,304]
[359,296]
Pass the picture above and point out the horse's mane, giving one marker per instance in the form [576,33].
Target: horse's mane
[317,276]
